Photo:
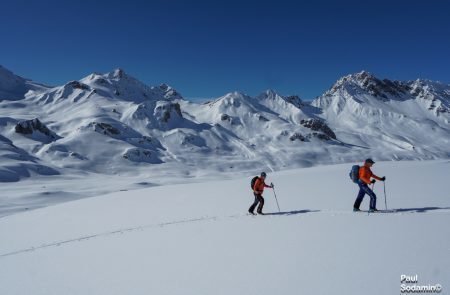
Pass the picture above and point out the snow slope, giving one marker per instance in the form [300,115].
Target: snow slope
[197,239]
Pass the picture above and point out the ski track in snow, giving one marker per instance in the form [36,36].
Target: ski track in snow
[400,211]
[114,232]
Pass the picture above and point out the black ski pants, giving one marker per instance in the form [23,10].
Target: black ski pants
[258,200]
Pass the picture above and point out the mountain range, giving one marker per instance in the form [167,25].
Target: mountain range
[114,124]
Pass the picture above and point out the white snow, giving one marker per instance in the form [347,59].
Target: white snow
[197,239]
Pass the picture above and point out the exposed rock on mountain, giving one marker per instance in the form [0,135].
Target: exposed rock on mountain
[36,128]
[318,125]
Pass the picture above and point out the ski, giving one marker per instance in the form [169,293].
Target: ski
[375,212]
[384,211]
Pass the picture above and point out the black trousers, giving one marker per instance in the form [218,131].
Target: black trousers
[258,200]
[363,190]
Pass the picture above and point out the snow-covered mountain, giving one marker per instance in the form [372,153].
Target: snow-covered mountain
[13,87]
[396,120]
[112,123]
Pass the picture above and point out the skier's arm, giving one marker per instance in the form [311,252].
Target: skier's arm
[376,177]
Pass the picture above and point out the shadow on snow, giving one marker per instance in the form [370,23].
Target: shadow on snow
[421,210]
[293,212]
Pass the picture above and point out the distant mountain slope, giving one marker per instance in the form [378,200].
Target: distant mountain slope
[13,87]
[112,123]
[397,119]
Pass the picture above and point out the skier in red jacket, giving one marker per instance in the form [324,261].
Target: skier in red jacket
[365,175]
[258,190]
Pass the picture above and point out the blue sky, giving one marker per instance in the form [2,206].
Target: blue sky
[208,48]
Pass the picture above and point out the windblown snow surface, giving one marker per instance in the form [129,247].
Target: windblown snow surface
[197,238]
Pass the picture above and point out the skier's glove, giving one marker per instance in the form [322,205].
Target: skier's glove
[373,181]
[383,178]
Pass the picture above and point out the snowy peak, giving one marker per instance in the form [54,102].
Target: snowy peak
[232,109]
[269,94]
[236,98]
[236,110]
[230,99]
[236,95]
[362,91]
[120,84]
[130,88]
[434,95]
[362,78]
[428,89]
[12,87]
[274,96]
[167,92]
[117,74]
[366,83]
[115,85]
[9,79]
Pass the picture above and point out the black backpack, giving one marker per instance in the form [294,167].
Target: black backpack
[354,173]
[252,183]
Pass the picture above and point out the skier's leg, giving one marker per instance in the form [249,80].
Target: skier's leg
[253,206]
[360,196]
[261,203]
[373,198]
[373,201]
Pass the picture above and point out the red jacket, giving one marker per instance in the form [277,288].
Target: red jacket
[365,174]
[259,186]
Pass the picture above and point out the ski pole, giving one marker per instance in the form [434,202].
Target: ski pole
[385,201]
[276,199]
[373,185]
